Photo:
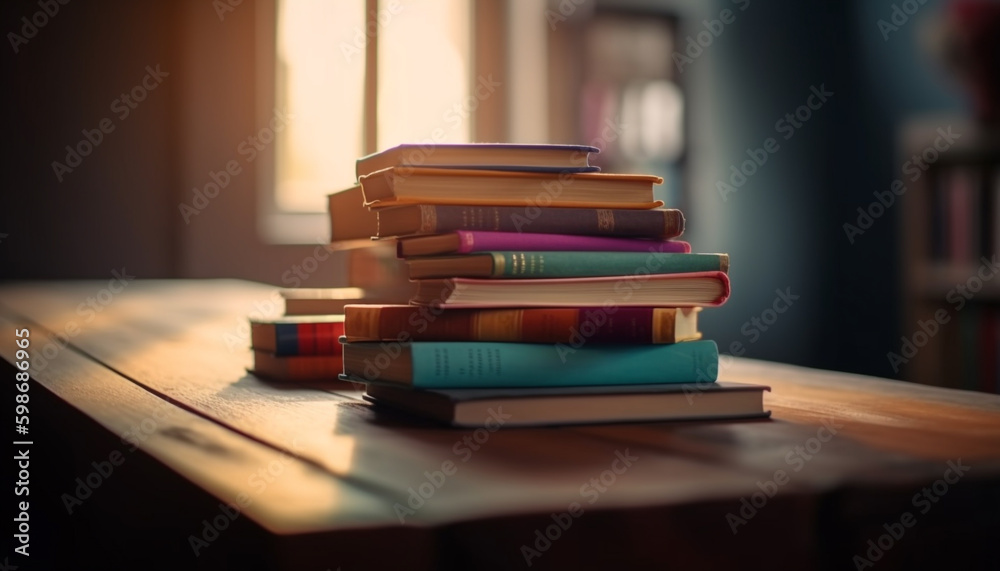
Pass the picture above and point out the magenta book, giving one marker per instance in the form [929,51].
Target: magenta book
[466,241]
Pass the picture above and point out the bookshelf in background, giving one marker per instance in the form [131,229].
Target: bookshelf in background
[610,66]
[950,233]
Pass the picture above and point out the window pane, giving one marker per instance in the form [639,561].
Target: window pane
[320,81]
[423,75]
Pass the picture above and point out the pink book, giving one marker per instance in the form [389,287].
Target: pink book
[466,241]
[693,289]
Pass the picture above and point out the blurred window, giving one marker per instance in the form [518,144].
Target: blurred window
[421,71]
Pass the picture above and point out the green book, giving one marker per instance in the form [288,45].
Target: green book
[563,264]
[438,365]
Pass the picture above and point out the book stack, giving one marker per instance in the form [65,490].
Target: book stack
[543,287]
[297,347]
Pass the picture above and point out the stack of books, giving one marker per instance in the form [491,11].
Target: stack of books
[297,347]
[556,293]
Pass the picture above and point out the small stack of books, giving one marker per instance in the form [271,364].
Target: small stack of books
[543,287]
[297,347]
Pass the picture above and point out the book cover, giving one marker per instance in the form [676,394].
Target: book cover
[321,301]
[379,272]
[397,185]
[297,367]
[655,290]
[461,364]
[486,156]
[299,335]
[538,265]
[350,220]
[422,219]
[635,325]
[468,241]
[576,405]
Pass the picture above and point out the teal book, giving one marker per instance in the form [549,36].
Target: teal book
[563,264]
[450,365]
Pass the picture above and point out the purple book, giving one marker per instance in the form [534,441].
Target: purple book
[466,241]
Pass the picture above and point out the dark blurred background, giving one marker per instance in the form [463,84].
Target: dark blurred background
[694,83]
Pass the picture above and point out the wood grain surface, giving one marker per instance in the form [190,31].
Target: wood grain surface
[176,352]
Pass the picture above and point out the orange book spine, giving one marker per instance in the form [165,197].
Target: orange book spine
[297,367]
[550,325]
[327,366]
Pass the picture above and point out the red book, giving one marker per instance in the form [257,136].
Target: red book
[326,368]
[298,335]
[633,325]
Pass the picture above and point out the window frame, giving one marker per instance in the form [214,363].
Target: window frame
[492,36]
[274,224]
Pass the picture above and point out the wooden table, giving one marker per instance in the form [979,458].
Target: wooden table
[197,464]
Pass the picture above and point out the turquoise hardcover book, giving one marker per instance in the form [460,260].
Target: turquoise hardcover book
[439,365]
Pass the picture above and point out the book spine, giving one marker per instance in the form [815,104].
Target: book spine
[439,293]
[480,364]
[657,224]
[410,324]
[588,264]
[484,241]
[574,326]
[303,367]
[308,338]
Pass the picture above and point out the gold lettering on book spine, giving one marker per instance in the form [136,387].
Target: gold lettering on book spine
[428,219]
[497,325]
[499,264]
[605,220]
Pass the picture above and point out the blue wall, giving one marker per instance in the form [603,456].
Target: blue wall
[784,226]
